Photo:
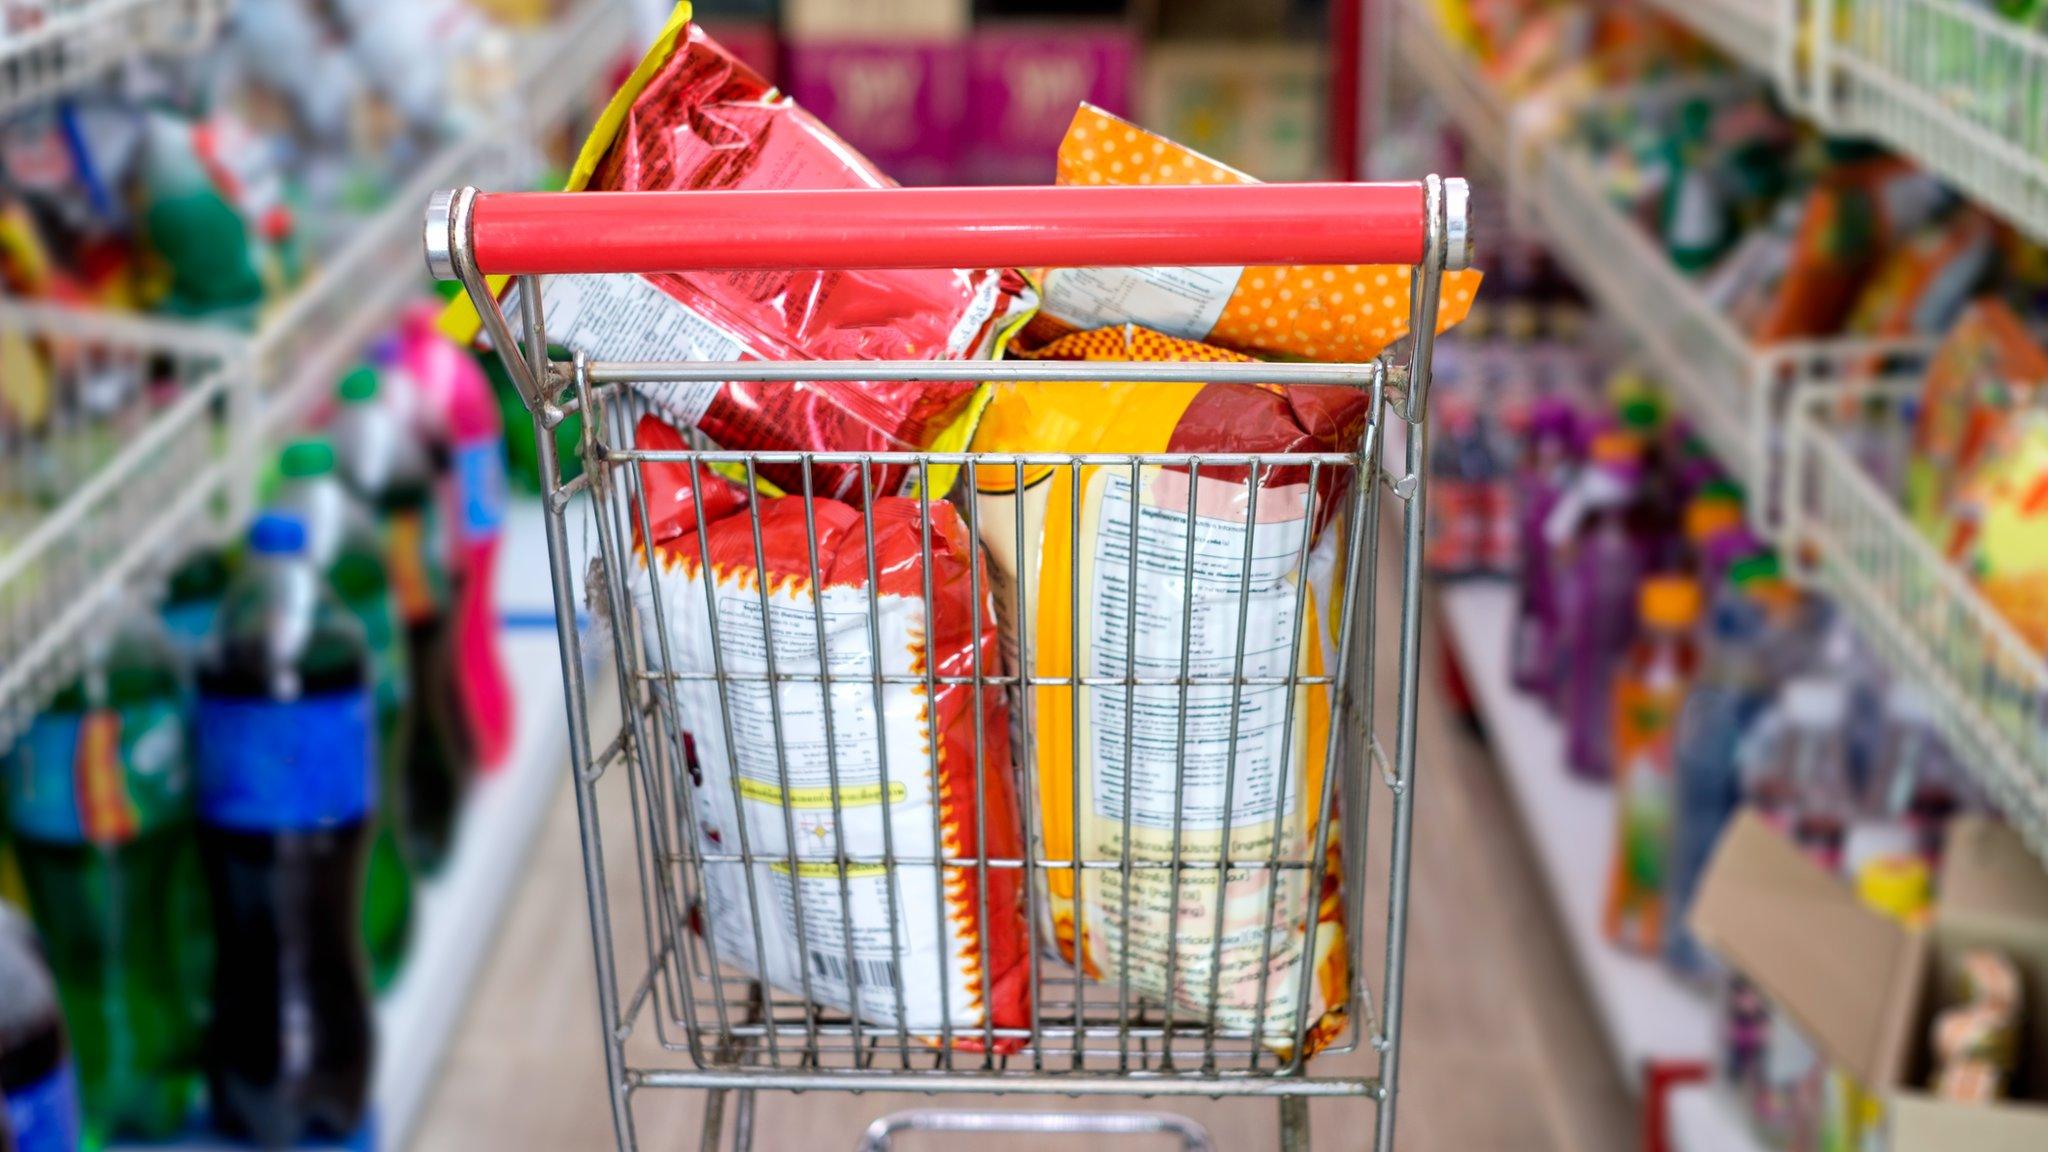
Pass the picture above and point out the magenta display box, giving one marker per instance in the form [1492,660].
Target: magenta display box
[1024,82]
[901,103]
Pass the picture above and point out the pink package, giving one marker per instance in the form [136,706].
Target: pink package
[1024,82]
[900,102]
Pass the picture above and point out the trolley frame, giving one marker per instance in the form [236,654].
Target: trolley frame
[765,1037]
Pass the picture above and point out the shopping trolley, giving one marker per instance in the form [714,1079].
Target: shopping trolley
[686,1015]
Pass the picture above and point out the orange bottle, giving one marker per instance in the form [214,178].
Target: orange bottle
[1648,694]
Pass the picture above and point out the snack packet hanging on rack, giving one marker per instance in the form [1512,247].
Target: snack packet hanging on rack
[1347,312]
[1237,579]
[912,770]
[692,117]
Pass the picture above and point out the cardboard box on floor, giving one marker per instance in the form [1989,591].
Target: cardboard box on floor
[1865,988]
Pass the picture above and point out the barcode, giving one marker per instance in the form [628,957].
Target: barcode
[866,973]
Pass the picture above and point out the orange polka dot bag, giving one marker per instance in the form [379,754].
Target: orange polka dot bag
[1346,312]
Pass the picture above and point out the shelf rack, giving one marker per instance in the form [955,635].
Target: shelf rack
[1949,83]
[76,42]
[192,466]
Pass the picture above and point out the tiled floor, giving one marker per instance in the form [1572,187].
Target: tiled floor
[1501,1049]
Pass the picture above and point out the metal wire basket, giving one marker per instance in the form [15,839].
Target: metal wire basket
[825,897]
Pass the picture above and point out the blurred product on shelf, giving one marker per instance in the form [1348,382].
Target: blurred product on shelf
[662,139]
[1024,81]
[1258,107]
[1650,690]
[343,545]
[387,467]
[99,805]
[36,1076]
[287,801]
[1600,555]
[1262,311]
[193,590]
[1975,1040]
[456,412]
[892,75]
[896,586]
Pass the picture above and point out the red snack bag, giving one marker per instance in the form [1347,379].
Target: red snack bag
[765,764]
[693,117]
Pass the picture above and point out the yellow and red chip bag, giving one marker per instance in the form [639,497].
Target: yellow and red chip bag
[1343,312]
[693,117]
[860,768]
[1218,555]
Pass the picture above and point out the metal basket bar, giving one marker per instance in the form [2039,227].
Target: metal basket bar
[1034,371]
[537,233]
[985,461]
[1133,1083]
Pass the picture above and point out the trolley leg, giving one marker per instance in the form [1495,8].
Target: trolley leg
[1294,1124]
[1414,520]
[743,1121]
[559,563]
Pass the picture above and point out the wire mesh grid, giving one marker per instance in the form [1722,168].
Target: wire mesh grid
[1957,85]
[1926,619]
[56,46]
[117,452]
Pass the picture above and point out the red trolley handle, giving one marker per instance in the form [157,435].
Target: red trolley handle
[537,233]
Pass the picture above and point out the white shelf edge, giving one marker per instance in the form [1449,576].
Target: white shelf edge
[1647,1013]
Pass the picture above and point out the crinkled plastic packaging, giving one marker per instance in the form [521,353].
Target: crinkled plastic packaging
[1191,606]
[1344,312]
[695,118]
[885,769]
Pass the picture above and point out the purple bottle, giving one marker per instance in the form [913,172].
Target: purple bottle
[1540,483]
[1597,530]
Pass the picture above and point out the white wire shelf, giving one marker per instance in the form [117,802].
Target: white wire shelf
[115,494]
[1648,1014]
[1756,33]
[1920,613]
[1720,378]
[1949,83]
[58,46]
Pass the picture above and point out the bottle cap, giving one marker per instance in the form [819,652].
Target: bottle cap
[308,457]
[1640,414]
[276,534]
[1616,448]
[1896,886]
[1755,569]
[1669,602]
[1813,702]
[1708,517]
[358,386]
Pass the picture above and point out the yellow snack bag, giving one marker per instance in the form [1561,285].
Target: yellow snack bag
[1162,573]
[1342,312]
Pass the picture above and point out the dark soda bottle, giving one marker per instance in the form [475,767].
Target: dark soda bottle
[99,801]
[385,466]
[343,543]
[286,798]
[192,595]
[35,1067]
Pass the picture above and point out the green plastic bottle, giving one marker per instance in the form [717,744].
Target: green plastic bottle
[389,472]
[342,540]
[99,801]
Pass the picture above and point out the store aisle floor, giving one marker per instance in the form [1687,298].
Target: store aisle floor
[1502,1051]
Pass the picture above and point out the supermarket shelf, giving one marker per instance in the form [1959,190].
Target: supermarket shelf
[1647,1013]
[1922,615]
[79,41]
[1949,83]
[1701,1118]
[117,510]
